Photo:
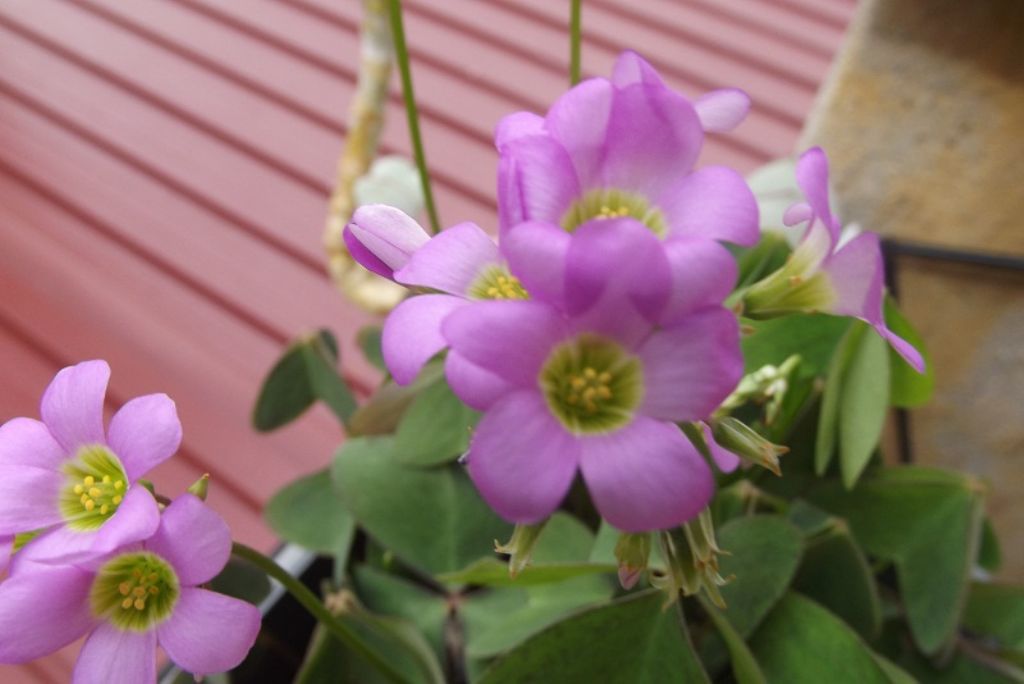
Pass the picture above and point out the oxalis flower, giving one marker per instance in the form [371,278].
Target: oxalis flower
[74,485]
[829,271]
[599,390]
[131,601]
[625,147]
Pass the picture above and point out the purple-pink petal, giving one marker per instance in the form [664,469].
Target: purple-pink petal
[26,441]
[42,609]
[72,406]
[646,476]
[654,137]
[144,433]
[541,181]
[797,213]
[724,459]
[579,121]
[722,110]
[137,518]
[29,496]
[536,254]
[703,275]
[510,338]
[412,333]
[903,348]
[387,233]
[209,632]
[521,459]
[477,387]
[193,538]
[631,68]
[856,272]
[812,177]
[451,260]
[6,547]
[690,368]
[517,125]
[363,256]
[714,203]
[115,656]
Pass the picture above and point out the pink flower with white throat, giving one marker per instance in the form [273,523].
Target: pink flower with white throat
[75,484]
[130,601]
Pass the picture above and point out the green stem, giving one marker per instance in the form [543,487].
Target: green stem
[317,609]
[402,56]
[574,43]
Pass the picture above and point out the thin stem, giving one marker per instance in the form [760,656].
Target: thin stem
[317,609]
[574,43]
[402,57]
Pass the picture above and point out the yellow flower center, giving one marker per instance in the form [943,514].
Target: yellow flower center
[135,591]
[609,203]
[497,283]
[96,486]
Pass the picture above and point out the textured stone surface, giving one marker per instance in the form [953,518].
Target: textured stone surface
[923,120]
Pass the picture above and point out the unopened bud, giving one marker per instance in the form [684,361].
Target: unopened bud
[632,552]
[739,438]
[520,547]
[200,487]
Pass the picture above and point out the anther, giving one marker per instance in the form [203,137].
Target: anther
[140,604]
[89,505]
[89,481]
[104,509]
[124,588]
[106,479]
[116,500]
[79,489]
[119,484]
[95,492]
[126,604]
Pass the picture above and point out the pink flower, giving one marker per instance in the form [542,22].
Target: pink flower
[625,147]
[382,238]
[131,601]
[72,481]
[600,388]
[826,273]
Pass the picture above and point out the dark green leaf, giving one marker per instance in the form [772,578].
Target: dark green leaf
[494,573]
[391,595]
[990,556]
[631,640]
[997,610]
[243,581]
[813,337]
[435,428]
[381,414]
[368,339]
[835,573]
[309,513]
[909,389]
[863,405]
[321,356]
[928,522]
[802,643]
[744,666]
[828,416]
[765,551]
[286,392]
[431,518]
[896,674]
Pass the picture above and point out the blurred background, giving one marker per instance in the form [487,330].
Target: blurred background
[165,168]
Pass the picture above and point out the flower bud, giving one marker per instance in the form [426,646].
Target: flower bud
[691,555]
[520,547]
[632,552]
[735,436]
[200,487]
[382,238]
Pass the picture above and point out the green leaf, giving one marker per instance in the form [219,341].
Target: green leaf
[630,640]
[928,523]
[368,338]
[863,405]
[243,581]
[908,389]
[764,555]
[965,669]
[309,512]
[896,674]
[435,428]
[767,256]
[997,610]
[306,372]
[835,573]
[492,572]
[431,518]
[802,643]
[391,595]
[603,550]
[744,666]
[990,555]
[564,540]
[828,416]
[814,337]
[382,413]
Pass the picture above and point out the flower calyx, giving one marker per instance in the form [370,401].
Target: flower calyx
[520,547]
[739,438]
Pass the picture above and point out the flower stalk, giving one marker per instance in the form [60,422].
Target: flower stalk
[575,36]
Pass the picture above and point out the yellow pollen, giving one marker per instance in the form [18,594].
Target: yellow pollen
[589,373]
[126,604]
[95,492]
[140,604]
[795,280]
[136,573]
[124,588]
[104,509]
[89,481]
[577,382]
[119,485]
[154,591]
[106,479]
[139,591]
[89,505]
[84,498]
[605,377]
[79,489]
[116,500]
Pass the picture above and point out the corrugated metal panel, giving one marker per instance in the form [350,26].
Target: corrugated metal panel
[164,168]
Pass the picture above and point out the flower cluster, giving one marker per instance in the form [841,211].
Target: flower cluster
[598,323]
[95,554]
